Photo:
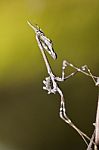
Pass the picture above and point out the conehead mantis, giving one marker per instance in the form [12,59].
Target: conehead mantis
[51,82]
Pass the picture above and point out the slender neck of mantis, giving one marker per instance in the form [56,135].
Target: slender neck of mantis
[44,56]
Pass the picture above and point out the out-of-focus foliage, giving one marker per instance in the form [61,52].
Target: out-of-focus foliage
[28,116]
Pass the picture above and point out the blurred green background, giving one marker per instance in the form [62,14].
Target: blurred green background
[29,118]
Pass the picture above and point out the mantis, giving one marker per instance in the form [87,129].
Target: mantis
[51,82]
